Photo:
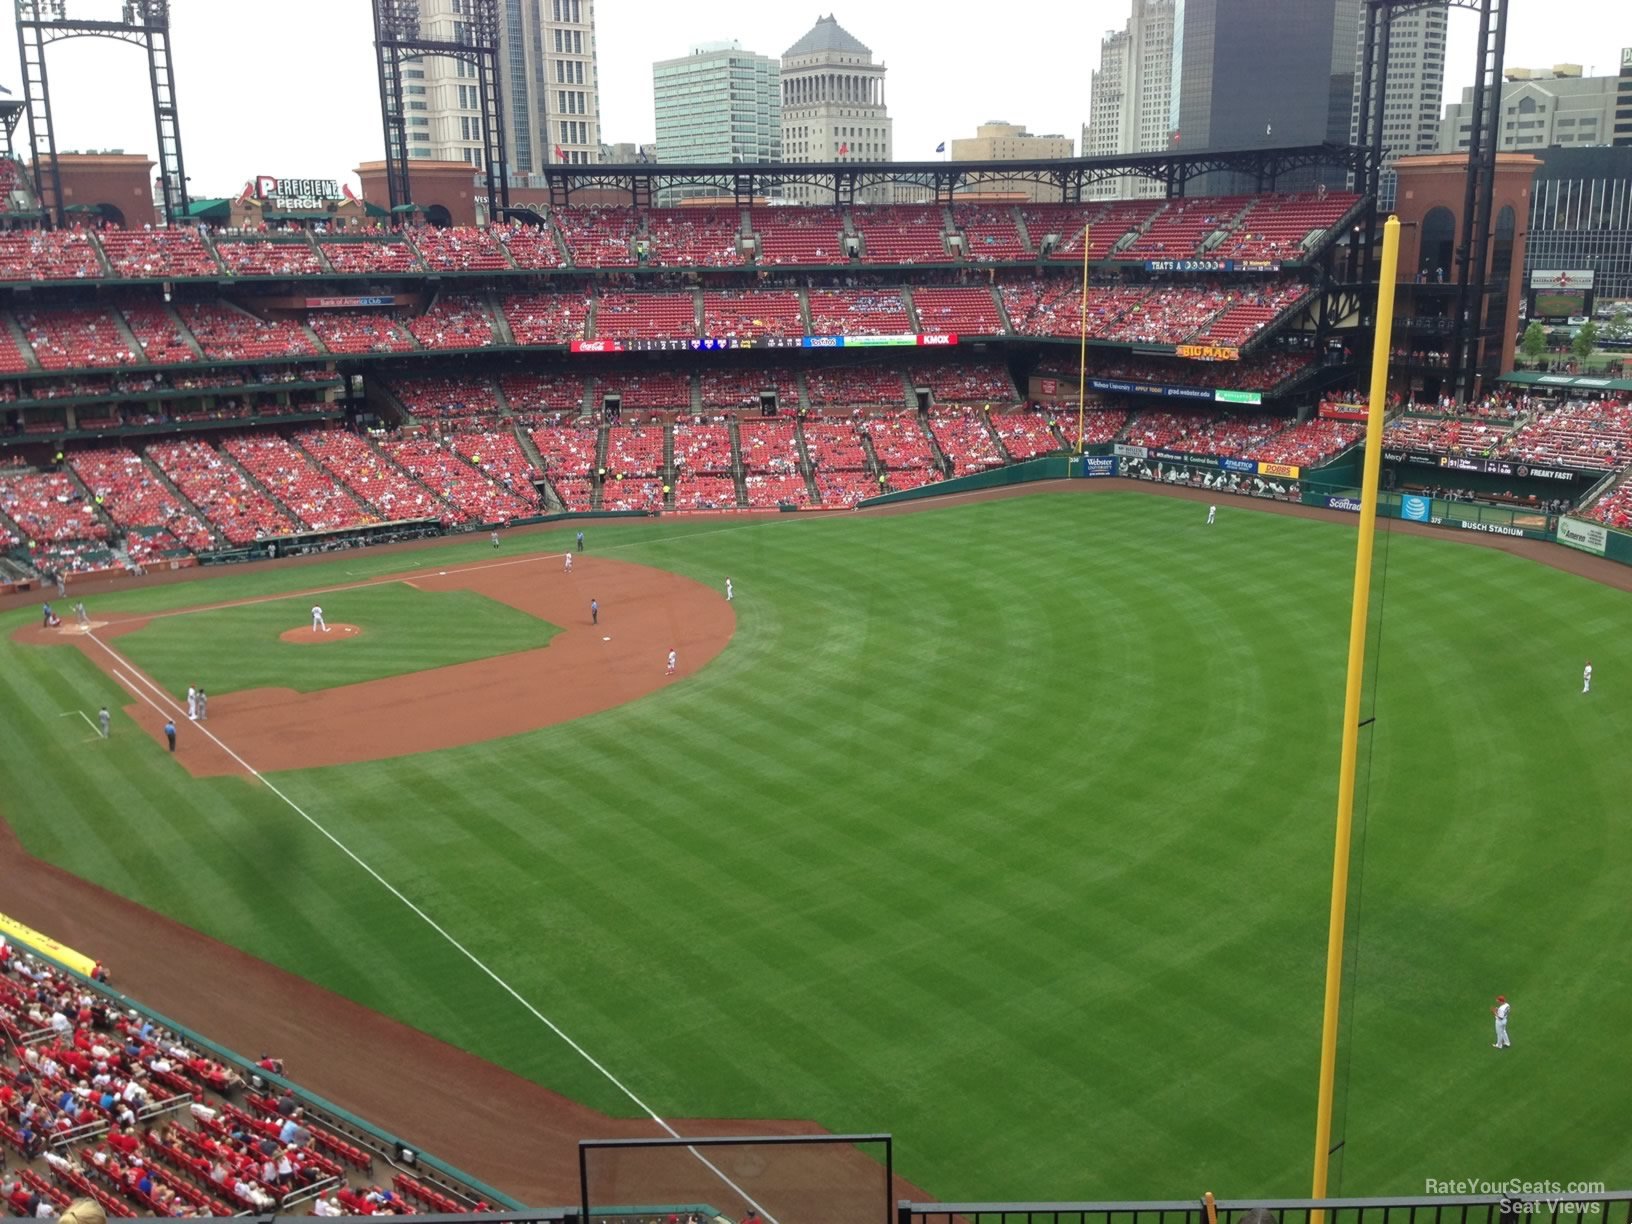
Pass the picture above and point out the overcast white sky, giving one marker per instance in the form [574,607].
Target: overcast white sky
[288,88]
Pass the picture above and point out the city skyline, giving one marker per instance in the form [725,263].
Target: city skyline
[310,107]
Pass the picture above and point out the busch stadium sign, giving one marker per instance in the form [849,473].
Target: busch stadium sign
[297,194]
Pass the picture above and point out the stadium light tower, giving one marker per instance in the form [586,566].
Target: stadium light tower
[398,37]
[146,23]
[1484,139]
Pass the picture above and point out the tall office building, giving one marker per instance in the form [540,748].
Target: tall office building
[1000,141]
[1540,108]
[1415,87]
[1623,101]
[548,86]
[718,104]
[833,106]
[1251,74]
[1128,103]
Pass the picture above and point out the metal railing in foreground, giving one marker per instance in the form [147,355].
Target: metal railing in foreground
[1611,1207]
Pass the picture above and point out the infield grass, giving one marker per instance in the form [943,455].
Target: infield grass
[1002,827]
[404,629]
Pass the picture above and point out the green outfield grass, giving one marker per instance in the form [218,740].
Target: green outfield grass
[1002,827]
[404,629]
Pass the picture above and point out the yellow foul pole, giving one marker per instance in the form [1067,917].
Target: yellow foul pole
[1381,345]
[1082,344]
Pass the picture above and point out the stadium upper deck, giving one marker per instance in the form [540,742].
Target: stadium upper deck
[1222,232]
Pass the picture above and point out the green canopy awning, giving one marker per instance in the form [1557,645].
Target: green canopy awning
[406,208]
[1566,382]
[374,210]
[209,210]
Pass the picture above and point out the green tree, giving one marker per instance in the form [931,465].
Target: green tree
[1586,340]
[1534,343]
[1619,327]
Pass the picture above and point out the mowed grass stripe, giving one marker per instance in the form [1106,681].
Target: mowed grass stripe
[1007,828]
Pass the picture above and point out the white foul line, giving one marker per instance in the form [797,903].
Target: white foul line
[85,716]
[421,914]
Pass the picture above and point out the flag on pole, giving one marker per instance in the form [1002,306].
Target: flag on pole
[559,155]
[844,149]
[941,148]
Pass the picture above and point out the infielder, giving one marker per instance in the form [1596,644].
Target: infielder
[1500,1011]
[192,703]
[568,558]
[728,590]
[103,720]
[1586,678]
[670,672]
[203,706]
[317,619]
[1212,513]
[594,611]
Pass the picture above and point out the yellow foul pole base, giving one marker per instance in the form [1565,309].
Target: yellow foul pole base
[1381,346]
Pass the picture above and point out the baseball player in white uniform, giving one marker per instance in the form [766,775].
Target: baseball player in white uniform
[670,671]
[317,619]
[1212,513]
[728,595]
[1500,1011]
[568,558]
[1586,678]
[192,703]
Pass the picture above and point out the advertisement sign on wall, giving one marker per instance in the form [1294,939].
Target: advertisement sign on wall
[1588,537]
[1415,508]
[1096,465]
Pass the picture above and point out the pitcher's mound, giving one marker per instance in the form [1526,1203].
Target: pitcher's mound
[307,636]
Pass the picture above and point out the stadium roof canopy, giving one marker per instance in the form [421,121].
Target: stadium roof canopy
[941,180]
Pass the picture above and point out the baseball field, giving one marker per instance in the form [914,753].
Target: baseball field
[1002,826]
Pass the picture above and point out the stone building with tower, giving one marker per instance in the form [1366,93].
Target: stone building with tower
[833,105]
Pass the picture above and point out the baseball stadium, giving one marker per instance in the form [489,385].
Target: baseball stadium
[528,701]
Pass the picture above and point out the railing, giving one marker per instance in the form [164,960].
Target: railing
[1613,1207]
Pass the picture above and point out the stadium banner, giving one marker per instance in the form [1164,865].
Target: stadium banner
[720,344]
[1207,352]
[17,932]
[1212,265]
[1588,537]
[348,303]
[1130,452]
[1239,465]
[1119,386]
[1351,504]
[1499,467]
[1168,456]
[1091,466]
[1238,397]
[1416,509]
[1488,467]
[1286,471]
[1344,412]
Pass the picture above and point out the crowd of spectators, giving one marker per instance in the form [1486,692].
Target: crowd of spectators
[309,493]
[454,321]
[226,333]
[359,331]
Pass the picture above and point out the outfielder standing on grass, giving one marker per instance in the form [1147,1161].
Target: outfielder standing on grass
[1500,1011]
[495,539]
